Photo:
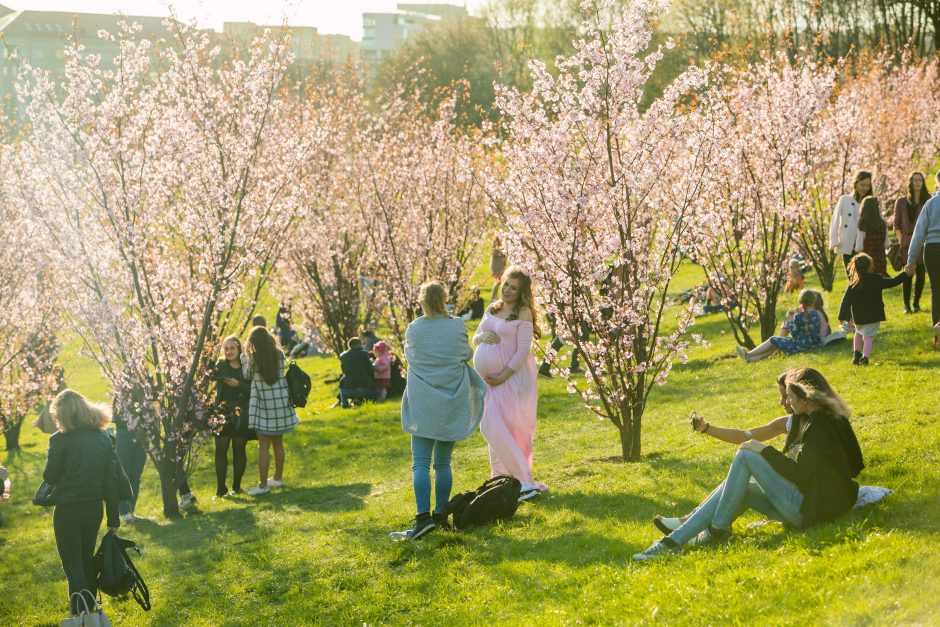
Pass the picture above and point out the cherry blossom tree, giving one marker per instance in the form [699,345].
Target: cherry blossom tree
[325,259]
[163,183]
[768,116]
[418,193]
[596,196]
[899,108]
[28,347]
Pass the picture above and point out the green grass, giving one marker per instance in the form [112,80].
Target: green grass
[318,552]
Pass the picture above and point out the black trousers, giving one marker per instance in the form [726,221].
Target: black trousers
[919,273]
[76,528]
[932,261]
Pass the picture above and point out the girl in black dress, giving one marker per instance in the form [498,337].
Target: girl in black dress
[233,391]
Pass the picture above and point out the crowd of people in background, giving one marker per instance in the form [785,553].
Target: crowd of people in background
[859,233]
[446,399]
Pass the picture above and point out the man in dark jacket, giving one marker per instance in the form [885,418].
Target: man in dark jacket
[358,380]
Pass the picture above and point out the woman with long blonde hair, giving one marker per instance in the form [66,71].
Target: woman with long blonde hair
[442,405]
[809,481]
[503,357]
[83,467]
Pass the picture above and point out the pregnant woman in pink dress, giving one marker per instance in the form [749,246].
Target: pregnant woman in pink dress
[503,357]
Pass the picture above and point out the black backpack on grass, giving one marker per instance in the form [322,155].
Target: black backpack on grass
[298,385]
[117,574]
[496,499]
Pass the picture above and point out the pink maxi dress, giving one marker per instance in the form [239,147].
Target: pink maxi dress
[509,409]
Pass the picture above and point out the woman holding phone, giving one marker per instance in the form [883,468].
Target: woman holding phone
[809,481]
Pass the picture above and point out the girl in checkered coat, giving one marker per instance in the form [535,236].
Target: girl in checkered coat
[270,410]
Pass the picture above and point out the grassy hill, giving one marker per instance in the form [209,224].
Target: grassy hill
[317,551]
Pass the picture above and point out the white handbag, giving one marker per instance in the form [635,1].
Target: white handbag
[93,617]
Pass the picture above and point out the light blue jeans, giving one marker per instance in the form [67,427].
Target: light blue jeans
[421,452]
[751,483]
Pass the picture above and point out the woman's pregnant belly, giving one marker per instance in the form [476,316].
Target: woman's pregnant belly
[488,359]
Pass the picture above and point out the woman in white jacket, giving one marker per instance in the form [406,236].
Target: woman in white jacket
[843,230]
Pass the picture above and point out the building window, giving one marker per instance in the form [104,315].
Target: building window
[368,22]
[368,33]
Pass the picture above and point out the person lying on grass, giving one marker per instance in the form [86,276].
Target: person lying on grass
[810,481]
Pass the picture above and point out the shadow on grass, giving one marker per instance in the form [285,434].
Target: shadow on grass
[327,498]
[192,531]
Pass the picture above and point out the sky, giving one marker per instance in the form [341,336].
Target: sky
[329,16]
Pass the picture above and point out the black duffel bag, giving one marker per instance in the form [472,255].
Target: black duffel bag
[496,499]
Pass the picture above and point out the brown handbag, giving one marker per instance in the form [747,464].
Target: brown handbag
[894,256]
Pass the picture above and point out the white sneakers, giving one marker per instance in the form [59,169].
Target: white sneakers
[657,549]
[274,483]
[258,490]
[187,502]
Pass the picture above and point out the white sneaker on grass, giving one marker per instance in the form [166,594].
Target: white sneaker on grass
[667,525]
[258,490]
[274,483]
[657,549]
[187,502]
[128,518]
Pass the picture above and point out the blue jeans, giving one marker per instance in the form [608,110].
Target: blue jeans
[357,393]
[421,450]
[133,458]
[751,483]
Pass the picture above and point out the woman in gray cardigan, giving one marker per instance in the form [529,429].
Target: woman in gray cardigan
[443,403]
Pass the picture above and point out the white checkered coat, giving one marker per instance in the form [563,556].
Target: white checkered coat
[270,409]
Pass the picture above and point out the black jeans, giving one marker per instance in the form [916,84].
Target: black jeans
[133,458]
[918,287]
[239,461]
[932,261]
[76,532]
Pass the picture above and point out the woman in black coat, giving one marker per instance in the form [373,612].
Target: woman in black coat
[810,481]
[83,467]
[233,392]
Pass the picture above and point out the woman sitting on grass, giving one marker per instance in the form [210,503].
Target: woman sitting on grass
[809,482]
[803,329]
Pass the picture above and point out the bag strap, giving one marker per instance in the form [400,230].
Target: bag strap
[84,602]
[139,589]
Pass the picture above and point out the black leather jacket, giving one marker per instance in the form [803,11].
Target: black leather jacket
[83,467]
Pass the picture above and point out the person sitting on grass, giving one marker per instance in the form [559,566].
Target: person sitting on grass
[795,280]
[358,380]
[473,309]
[803,329]
[810,481]
[863,304]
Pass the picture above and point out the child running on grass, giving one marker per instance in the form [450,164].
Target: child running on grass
[863,305]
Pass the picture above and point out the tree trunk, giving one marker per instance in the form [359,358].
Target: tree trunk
[12,435]
[768,320]
[167,470]
[826,274]
[630,438]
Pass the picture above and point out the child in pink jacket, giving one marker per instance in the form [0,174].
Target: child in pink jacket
[382,364]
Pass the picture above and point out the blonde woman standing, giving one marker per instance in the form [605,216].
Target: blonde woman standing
[442,405]
[83,467]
